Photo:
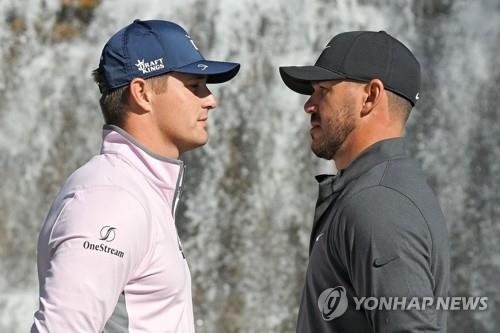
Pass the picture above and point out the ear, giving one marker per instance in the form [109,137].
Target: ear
[140,93]
[374,91]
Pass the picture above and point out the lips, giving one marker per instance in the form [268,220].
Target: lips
[315,122]
[315,126]
[203,117]
[203,122]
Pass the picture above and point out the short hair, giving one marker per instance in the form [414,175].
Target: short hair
[399,106]
[114,102]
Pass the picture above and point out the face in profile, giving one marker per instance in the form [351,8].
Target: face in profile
[332,117]
[181,111]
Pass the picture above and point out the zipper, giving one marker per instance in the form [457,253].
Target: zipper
[178,189]
[177,197]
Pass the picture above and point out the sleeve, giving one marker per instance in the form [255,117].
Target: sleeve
[96,243]
[386,247]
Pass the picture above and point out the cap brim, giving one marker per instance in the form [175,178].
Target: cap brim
[300,79]
[216,71]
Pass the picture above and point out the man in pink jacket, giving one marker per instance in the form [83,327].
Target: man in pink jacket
[109,257]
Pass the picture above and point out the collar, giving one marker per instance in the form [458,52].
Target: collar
[377,153]
[164,172]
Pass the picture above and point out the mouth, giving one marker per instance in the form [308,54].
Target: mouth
[203,116]
[315,124]
[315,121]
[315,129]
[203,122]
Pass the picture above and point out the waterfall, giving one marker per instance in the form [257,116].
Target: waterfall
[247,209]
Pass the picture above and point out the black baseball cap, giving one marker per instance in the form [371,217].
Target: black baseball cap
[360,56]
[150,48]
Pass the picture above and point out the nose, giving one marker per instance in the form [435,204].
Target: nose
[311,106]
[209,100]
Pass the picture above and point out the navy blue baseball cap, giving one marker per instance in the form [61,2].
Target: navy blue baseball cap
[150,48]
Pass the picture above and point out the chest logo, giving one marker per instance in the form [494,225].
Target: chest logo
[108,233]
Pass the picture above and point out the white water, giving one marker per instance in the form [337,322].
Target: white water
[246,213]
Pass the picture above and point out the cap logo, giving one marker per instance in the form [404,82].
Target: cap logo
[192,42]
[149,66]
[417,96]
[202,66]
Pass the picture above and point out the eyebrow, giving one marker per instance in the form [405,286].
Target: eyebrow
[328,82]
[192,77]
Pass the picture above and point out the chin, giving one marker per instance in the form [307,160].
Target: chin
[200,142]
[203,140]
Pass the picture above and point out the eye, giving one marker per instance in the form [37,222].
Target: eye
[193,86]
[323,90]
[196,84]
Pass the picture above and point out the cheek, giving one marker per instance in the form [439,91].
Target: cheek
[179,112]
[328,110]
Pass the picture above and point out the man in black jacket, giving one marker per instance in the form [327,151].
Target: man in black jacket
[379,253]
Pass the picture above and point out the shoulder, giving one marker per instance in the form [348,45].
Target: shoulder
[377,200]
[378,213]
[97,195]
[102,170]
[380,222]
[90,209]
[108,173]
[105,185]
[395,190]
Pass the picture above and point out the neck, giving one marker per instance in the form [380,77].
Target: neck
[151,139]
[358,141]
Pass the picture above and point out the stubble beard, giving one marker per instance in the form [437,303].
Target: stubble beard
[334,133]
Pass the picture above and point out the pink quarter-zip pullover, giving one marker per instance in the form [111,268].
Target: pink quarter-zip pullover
[109,258]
